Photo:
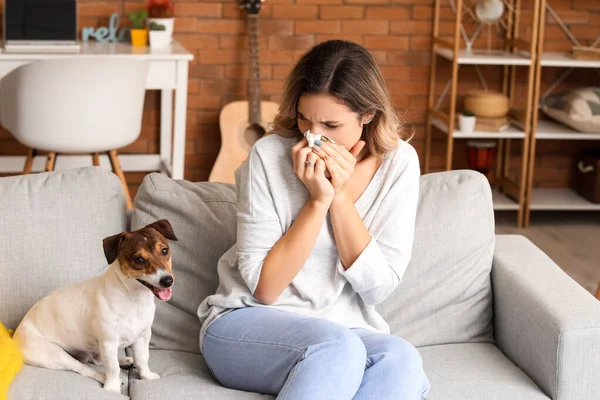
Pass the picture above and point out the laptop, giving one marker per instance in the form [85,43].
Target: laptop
[40,25]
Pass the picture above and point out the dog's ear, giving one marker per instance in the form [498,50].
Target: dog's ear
[111,246]
[163,227]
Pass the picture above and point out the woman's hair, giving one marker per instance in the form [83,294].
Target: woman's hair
[346,71]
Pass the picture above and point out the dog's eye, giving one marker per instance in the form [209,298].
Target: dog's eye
[165,251]
[139,260]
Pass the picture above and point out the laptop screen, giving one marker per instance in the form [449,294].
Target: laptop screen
[40,20]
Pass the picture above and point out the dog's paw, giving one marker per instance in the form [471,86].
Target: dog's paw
[149,375]
[99,376]
[126,362]
[113,385]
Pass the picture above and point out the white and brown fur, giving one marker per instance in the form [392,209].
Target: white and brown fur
[87,322]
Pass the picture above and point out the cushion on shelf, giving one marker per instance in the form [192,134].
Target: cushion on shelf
[579,109]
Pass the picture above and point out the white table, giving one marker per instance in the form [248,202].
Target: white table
[168,72]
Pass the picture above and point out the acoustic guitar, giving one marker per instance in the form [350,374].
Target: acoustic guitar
[243,122]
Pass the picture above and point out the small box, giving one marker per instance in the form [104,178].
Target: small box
[588,175]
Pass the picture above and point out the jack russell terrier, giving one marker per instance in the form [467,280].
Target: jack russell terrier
[89,321]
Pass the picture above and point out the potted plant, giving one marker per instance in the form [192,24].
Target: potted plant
[158,35]
[139,32]
[466,122]
[161,12]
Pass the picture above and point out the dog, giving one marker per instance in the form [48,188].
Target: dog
[88,321]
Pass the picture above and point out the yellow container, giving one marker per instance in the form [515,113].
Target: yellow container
[139,37]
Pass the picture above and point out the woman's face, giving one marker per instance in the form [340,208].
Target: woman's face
[324,114]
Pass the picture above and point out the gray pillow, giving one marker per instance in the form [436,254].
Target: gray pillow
[52,230]
[446,294]
[204,221]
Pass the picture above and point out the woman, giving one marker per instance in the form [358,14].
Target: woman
[324,234]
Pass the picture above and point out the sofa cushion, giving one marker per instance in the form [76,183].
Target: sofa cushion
[446,293]
[52,230]
[32,383]
[445,296]
[475,371]
[184,376]
[203,219]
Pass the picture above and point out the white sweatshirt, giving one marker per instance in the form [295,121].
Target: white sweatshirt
[270,197]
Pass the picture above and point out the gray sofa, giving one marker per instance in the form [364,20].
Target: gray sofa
[493,316]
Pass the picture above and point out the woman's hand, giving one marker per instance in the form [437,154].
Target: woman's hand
[313,173]
[339,162]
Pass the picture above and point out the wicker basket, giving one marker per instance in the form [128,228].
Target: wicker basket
[487,104]
[588,175]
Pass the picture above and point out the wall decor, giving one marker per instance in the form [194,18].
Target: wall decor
[106,34]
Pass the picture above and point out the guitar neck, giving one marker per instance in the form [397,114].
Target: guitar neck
[254,112]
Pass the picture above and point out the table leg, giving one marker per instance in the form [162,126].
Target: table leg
[180,117]
[166,126]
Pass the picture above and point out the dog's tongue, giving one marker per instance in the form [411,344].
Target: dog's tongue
[163,294]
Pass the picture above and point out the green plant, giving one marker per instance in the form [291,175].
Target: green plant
[137,18]
[156,27]
[468,113]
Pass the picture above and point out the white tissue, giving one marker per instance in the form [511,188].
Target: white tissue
[312,138]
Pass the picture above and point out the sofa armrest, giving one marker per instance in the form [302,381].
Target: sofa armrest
[545,322]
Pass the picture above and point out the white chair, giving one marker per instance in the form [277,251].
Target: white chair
[75,105]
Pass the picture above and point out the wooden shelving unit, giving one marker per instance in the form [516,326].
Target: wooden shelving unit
[508,194]
[543,198]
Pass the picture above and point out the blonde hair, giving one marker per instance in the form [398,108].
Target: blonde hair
[346,71]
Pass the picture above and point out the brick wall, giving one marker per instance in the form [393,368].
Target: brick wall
[397,32]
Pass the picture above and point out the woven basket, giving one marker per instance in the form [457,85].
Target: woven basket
[487,104]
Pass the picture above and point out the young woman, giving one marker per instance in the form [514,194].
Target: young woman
[324,234]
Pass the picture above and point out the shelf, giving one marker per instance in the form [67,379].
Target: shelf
[510,133]
[550,130]
[502,202]
[560,200]
[556,59]
[482,58]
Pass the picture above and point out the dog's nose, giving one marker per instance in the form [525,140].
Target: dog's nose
[166,281]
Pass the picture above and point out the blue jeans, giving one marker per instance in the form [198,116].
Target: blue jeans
[258,349]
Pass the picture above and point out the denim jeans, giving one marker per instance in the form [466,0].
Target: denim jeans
[258,349]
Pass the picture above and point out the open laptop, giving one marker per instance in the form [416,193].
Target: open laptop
[40,26]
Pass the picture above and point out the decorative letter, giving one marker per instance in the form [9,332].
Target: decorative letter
[86,33]
[106,34]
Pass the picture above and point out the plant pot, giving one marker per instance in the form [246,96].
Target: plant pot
[167,22]
[466,124]
[139,37]
[159,39]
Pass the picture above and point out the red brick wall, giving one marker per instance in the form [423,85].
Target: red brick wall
[397,32]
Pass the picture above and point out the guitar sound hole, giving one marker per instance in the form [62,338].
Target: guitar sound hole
[253,133]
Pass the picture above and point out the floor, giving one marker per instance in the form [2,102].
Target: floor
[572,240]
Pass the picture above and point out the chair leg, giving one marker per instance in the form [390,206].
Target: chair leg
[598,292]
[50,163]
[116,166]
[31,153]
[96,159]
